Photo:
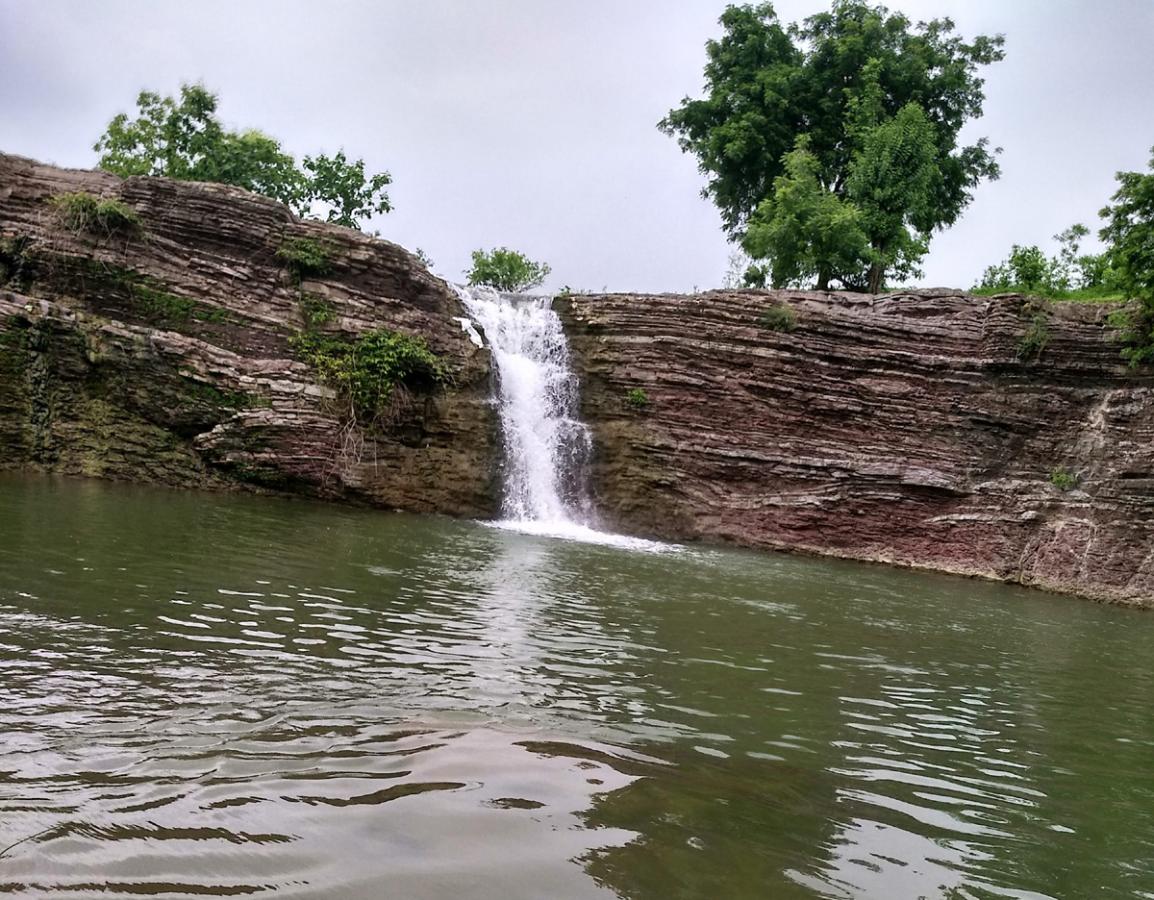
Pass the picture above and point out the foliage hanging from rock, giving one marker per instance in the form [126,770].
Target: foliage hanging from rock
[365,370]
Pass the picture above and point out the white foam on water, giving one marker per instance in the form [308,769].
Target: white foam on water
[569,531]
[547,446]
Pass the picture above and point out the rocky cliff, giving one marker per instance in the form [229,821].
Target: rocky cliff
[990,437]
[163,350]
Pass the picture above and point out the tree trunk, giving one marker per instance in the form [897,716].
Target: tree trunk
[823,280]
[877,273]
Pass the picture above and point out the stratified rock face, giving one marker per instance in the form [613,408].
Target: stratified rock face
[166,354]
[919,429]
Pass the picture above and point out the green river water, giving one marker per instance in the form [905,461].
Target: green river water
[228,696]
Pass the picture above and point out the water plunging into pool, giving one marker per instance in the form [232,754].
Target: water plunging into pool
[547,447]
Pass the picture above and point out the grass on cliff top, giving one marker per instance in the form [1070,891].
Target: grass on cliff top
[1083,295]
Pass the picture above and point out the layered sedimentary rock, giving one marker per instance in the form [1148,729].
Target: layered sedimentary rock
[984,436]
[165,352]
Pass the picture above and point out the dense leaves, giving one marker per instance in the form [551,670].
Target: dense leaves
[506,270]
[344,190]
[182,138]
[365,371]
[1129,231]
[879,102]
[1070,273]
[805,231]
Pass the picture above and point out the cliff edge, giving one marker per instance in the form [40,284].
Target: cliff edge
[997,437]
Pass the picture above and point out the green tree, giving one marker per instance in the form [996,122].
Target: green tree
[183,138]
[343,187]
[881,102]
[1068,269]
[506,270]
[892,180]
[1129,234]
[1025,269]
[804,230]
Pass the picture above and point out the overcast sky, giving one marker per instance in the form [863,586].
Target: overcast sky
[532,123]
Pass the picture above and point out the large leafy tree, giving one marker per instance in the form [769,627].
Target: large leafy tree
[804,230]
[344,188]
[183,138]
[880,102]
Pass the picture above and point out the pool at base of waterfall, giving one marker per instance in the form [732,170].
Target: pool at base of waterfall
[228,695]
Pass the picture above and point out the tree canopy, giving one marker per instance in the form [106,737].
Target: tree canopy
[183,138]
[506,270]
[855,114]
[1129,232]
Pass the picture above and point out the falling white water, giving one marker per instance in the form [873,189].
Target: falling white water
[547,447]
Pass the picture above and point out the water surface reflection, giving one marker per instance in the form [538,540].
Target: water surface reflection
[225,696]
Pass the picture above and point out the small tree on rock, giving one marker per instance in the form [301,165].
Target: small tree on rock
[506,270]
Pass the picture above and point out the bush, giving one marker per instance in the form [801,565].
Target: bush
[1135,326]
[1063,480]
[1035,338]
[84,212]
[316,311]
[1070,275]
[305,257]
[506,270]
[636,399]
[364,371]
[778,318]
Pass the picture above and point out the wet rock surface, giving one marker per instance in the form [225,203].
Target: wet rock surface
[164,353]
[925,429]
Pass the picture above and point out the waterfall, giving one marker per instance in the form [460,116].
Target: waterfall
[546,445]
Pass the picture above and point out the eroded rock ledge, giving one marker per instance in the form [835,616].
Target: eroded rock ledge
[917,429]
[165,355]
